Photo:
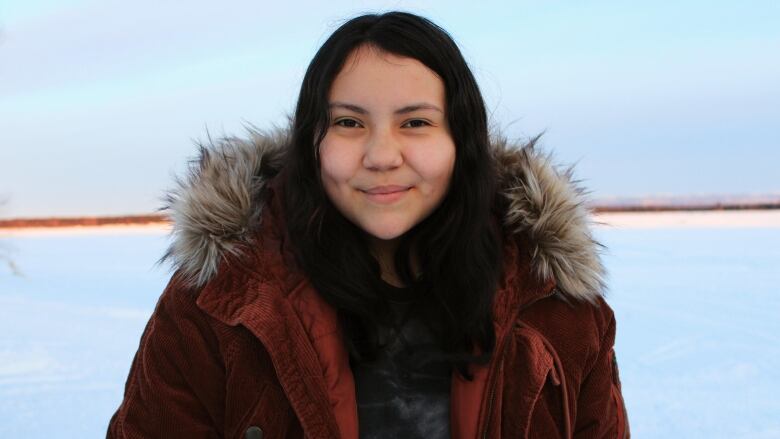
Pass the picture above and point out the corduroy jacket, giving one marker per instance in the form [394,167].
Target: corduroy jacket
[240,345]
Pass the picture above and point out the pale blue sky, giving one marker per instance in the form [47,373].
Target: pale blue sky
[100,100]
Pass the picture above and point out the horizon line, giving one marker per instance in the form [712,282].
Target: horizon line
[140,219]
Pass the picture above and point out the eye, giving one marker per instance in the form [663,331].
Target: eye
[347,123]
[417,123]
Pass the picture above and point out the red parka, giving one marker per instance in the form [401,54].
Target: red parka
[240,345]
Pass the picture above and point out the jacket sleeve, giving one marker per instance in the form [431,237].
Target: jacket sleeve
[601,412]
[171,389]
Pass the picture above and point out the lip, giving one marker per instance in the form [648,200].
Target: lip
[386,189]
[386,194]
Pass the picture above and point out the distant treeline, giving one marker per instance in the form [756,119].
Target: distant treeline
[83,221]
[163,219]
[686,208]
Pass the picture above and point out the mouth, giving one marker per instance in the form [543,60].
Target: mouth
[390,189]
[386,194]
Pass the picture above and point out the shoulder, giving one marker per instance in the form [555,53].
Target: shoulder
[177,373]
[181,328]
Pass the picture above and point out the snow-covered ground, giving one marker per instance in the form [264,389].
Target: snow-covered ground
[696,298]
[698,321]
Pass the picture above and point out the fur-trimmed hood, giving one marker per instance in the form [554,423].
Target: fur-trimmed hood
[214,208]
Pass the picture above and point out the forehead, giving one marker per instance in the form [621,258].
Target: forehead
[373,76]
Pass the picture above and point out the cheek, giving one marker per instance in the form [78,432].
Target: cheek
[434,163]
[337,162]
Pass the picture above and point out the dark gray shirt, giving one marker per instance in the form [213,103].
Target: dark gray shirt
[396,397]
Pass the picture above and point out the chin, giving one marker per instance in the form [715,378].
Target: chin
[386,233]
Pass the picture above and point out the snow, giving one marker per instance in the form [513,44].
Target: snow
[696,300]
[698,334]
[729,219]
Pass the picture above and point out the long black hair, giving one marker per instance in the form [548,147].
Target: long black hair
[458,246]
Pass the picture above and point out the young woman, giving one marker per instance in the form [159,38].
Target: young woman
[382,269]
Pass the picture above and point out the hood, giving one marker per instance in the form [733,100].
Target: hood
[214,207]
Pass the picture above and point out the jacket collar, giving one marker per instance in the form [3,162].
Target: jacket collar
[217,207]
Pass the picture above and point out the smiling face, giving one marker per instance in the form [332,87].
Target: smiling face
[387,157]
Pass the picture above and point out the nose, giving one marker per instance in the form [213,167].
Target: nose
[383,152]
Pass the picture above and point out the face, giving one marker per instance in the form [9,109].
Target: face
[387,158]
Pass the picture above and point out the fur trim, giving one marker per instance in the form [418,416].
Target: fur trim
[548,207]
[214,208]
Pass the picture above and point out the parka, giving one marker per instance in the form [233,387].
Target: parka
[240,345]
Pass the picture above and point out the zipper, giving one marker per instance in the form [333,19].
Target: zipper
[494,371]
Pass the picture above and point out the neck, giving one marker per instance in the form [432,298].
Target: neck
[384,252]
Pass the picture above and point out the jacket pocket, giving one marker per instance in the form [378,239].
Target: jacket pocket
[548,415]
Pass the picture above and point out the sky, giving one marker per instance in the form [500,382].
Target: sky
[101,102]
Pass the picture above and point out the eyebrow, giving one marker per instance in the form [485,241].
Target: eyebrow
[402,110]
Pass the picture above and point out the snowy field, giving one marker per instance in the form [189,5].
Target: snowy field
[696,298]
